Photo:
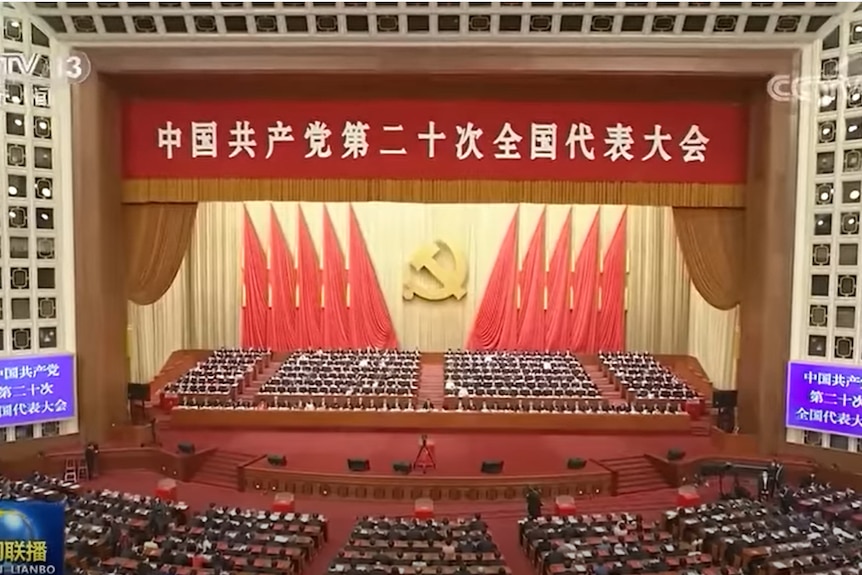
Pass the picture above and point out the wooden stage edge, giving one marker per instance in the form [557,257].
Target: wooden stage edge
[594,480]
[432,421]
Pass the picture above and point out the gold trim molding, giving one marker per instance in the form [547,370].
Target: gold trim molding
[434,192]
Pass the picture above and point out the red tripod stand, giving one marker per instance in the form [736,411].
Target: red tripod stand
[425,458]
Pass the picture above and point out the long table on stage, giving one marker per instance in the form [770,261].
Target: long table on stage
[431,420]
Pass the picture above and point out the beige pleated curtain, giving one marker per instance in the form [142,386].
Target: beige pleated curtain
[184,271]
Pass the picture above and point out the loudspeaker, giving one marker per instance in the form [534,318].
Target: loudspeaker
[675,454]
[492,467]
[358,465]
[186,448]
[138,391]
[276,460]
[401,467]
[724,399]
[726,420]
[575,463]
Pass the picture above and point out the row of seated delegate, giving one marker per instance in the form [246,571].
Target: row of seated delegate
[121,533]
[618,544]
[835,504]
[223,374]
[810,530]
[640,376]
[244,540]
[556,405]
[473,374]
[390,546]
[385,372]
[370,403]
[814,530]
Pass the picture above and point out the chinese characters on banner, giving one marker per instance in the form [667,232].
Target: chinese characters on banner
[826,398]
[639,142]
[37,388]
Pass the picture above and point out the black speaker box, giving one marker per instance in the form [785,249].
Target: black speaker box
[358,465]
[675,454]
[401,467]
[492,467]
[575,463]
[276,460]
[186,448]
[726,420]
[724,399]
[138,392]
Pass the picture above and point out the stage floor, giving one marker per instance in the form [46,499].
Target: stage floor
[458,454]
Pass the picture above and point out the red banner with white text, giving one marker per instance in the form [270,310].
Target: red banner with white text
[577,141]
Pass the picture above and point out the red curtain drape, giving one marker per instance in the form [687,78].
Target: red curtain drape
[558,316]
[255,284]
[309,310]
[531,283]
[612,315]
[336,320]
[370,323]
[496,322]
[282,290]
[585,292]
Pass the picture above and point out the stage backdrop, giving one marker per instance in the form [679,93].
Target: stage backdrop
[203,307]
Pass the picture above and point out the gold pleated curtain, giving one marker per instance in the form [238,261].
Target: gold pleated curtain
[157,240]
[184,272]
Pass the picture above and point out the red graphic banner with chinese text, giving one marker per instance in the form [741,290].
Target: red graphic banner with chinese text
[627,142]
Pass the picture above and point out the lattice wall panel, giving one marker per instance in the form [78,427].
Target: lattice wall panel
[31,280]
[832,209]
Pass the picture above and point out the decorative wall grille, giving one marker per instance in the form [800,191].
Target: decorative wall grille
[32,251]
[828,301]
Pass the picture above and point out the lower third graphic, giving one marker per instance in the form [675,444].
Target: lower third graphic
[32,537]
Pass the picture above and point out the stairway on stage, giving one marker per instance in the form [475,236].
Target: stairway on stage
[600,378]
[431,379]
[250,391]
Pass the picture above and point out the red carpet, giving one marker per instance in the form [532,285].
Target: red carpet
[458,454]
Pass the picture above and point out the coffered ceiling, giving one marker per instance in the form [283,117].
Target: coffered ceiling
[731,24]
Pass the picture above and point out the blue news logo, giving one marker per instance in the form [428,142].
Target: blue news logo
[32,537]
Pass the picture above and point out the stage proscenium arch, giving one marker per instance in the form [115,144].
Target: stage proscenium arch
[149,196]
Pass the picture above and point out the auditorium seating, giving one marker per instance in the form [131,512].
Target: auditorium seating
[622,542]
[798,536]
[447,547]
[361,378]
[221,376]
[112,532]
[644,380]
[834,504]
[811,530]
[517,380]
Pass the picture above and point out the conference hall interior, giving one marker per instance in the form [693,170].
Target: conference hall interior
[420,288]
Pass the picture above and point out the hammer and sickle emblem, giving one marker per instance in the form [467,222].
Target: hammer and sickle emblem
[450,279]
